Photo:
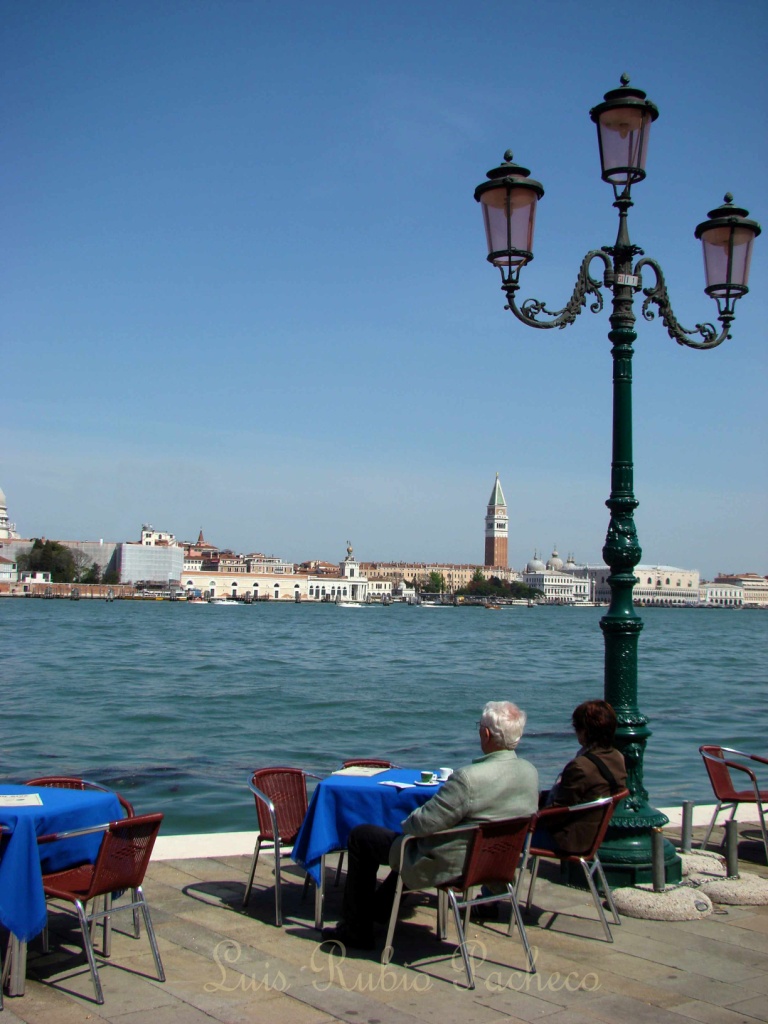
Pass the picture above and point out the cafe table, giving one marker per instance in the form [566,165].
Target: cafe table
[350,797]
[27,812]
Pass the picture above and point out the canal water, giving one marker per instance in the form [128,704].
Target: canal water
[173,703]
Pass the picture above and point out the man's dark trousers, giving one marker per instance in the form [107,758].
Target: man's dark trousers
[368,847]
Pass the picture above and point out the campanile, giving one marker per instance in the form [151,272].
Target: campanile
[496,528]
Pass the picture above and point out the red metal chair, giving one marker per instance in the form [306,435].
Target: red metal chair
[281,804]
[551,817]
[121,864]
[361,762]
[494,852]
[719,769]
[73,782]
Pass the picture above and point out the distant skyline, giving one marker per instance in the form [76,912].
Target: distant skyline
[542,553]
[245,284]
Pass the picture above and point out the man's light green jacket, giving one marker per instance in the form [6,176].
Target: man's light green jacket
[495,786]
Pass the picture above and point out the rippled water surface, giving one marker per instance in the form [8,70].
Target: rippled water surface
[173,704]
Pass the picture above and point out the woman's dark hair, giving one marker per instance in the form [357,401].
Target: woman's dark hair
[596,719]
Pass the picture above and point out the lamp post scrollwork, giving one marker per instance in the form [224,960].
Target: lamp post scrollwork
[509,200]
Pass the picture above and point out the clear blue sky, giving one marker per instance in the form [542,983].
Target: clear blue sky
[245,289]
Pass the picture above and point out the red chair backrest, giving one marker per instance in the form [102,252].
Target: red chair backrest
[367,762]
[287,789]
[124,854]
[57,782]
[551,817]
[719,773]
[494,851]
[73,782]
[605,821]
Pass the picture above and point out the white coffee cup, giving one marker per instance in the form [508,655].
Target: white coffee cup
[444,773]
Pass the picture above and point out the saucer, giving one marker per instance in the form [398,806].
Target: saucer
[420,783]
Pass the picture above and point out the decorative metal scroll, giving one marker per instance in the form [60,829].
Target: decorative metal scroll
[659,296]
[585,285]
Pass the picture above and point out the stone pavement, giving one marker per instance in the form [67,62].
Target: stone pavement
[224,964]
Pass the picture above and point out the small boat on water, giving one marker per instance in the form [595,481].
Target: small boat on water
[223,600]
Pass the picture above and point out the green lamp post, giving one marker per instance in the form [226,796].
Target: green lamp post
[508,199]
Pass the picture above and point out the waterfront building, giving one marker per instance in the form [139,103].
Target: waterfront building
[496,528]
[94,552]
[721,595]
[152,538]
[226,561]
[270,578]
[657,585]
[269,564]
[754,588]
[455,575]
[156,558]
[556,584]
[8,570]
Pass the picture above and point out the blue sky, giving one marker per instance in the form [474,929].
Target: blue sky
[245,285]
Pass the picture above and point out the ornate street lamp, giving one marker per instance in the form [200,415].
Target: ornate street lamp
[509,200]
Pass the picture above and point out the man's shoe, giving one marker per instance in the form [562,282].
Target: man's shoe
[348,937]
[485,912]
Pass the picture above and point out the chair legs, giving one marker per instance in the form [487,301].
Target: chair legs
[534,868]
[596,868]
[446,897]
[386,955]
[278,881]
[254,862]
[589,874]
[339,866]
[719,807]
[455,907]
[515,916]
[763,830]
[88,920]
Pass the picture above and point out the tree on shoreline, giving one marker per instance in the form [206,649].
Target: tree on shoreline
[49,556]
[479,586]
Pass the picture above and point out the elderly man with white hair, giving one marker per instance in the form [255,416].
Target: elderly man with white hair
[497,785]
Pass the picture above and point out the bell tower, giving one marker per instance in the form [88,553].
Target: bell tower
[496,528]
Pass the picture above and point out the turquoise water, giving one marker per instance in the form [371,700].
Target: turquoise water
[173,704]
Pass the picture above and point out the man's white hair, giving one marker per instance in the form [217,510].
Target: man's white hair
[505,722]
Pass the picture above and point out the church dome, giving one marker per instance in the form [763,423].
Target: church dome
[535,564]
[555,562]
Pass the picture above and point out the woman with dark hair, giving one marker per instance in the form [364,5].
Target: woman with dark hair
[597,770]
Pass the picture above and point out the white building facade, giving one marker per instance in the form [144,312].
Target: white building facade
[657,585]
[754,588]
[721,595]
[278,581]
[557,585]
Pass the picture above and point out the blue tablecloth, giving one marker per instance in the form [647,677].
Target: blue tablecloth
[22,862]
[342,801]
